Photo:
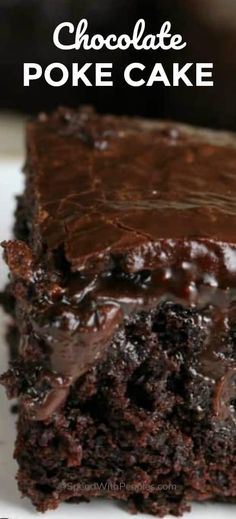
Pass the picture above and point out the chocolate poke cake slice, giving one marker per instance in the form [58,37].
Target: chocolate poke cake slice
[123,274]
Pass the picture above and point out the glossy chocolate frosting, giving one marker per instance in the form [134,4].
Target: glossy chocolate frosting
[138,213]
[110,188]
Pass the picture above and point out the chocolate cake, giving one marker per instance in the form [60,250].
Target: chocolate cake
[123,276]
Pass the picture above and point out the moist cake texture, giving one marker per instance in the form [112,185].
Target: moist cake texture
[123,290]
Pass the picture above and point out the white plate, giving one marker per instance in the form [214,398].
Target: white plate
[11,504]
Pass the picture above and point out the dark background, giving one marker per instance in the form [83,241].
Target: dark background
[208,27]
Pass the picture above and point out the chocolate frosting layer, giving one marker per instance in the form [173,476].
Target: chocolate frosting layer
[109,188]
